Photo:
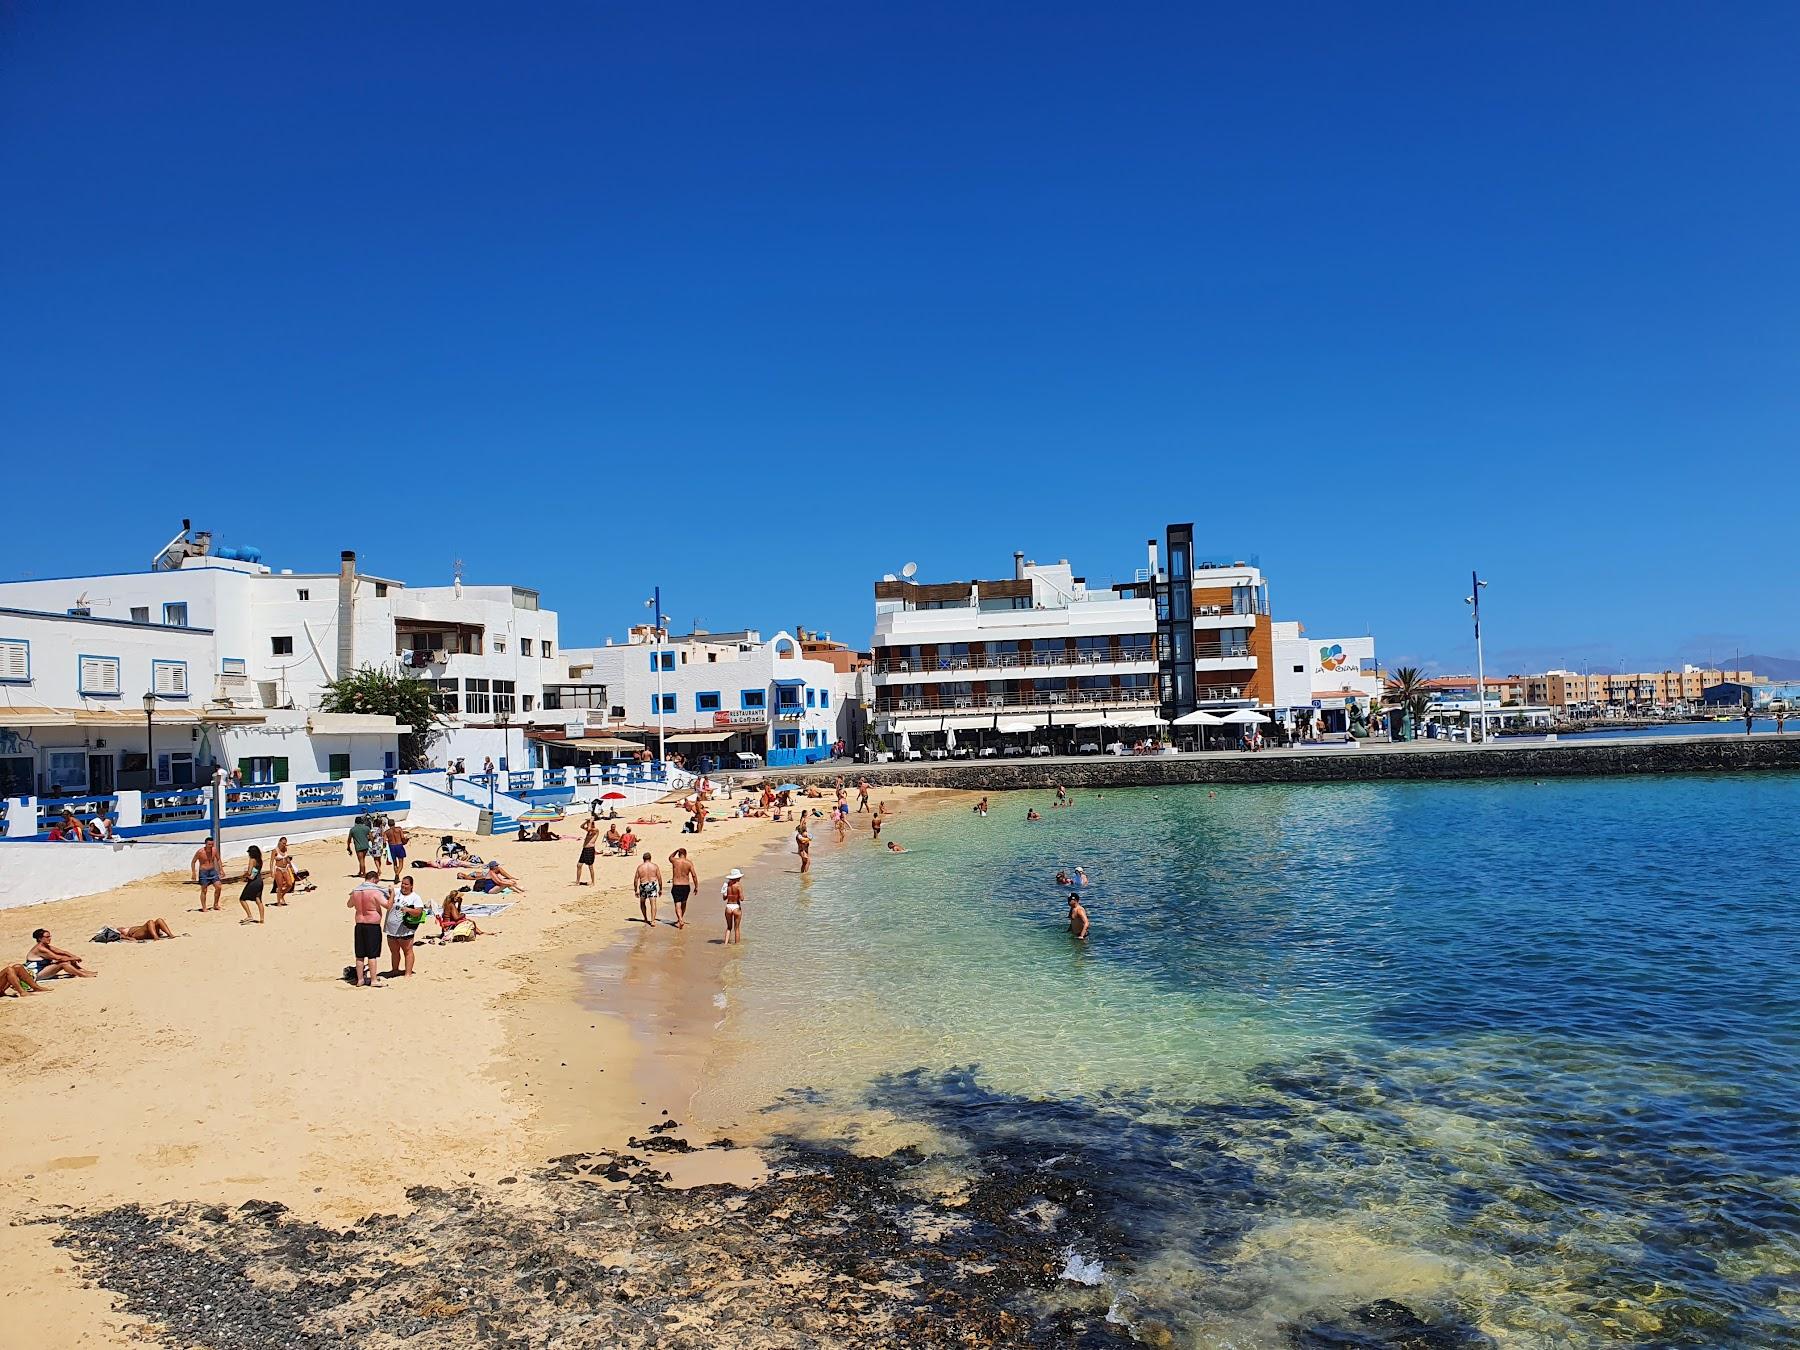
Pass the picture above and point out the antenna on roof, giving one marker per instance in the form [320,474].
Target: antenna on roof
[910,571]
[456,573]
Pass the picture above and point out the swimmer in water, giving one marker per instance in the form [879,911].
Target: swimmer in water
[894,848]
[1031,814]
[1078,919]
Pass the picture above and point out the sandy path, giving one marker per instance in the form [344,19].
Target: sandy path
[235,1063]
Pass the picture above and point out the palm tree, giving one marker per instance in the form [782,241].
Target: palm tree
[1406,686]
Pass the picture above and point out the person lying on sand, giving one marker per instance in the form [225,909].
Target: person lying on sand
[52,963]
[19,981]
[150,930]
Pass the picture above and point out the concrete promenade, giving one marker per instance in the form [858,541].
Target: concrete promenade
[1407,762]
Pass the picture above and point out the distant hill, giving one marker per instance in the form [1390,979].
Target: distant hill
[1770,667]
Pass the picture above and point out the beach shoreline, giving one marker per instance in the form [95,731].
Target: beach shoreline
[235,1065]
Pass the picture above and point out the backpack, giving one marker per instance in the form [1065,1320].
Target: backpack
[109,935]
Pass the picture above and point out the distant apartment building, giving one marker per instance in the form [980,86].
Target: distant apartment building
[1043,647]
[711,696]
[211,659]
[1623,690]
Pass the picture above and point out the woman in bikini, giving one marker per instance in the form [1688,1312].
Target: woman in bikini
[453,924]
[281,869]
[733,894]
[150,930]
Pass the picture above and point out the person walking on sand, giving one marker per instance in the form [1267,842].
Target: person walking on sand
[1078,918]
[840,817]
[803,846]
[732,893]
[253,888]
[357,842]
[590,835]
[369,902]
[682,880]
[647,881]
[875,827]
[205,867]
[396,845]
[862,795]
[406,911]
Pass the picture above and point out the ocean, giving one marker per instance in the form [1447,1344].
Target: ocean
[1476,1063]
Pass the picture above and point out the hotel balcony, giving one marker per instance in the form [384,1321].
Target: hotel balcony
[1111,662]
[975,705]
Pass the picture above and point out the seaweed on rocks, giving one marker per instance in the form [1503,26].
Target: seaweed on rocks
[832,1249]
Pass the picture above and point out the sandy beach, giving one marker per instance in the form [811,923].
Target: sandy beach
[235,1064]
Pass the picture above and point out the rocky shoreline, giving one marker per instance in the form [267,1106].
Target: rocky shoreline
[595,1249]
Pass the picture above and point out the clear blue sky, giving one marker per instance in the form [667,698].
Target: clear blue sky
[761,301]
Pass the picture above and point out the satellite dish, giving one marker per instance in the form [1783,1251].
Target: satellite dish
[910,571]
[889,576]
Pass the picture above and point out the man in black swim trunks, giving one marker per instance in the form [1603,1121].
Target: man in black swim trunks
[590,834]
[682,880]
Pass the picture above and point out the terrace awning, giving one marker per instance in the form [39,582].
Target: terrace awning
[600,743]
[119,717]
[703,737]
[354,724]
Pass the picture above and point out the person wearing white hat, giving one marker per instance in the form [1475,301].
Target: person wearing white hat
[732,892]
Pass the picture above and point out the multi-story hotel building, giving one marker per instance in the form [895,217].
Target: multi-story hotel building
[1042,648]
[1640,689]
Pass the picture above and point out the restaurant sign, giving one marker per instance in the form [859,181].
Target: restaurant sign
[739,717]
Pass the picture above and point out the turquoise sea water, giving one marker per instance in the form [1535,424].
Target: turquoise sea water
[1523,1058]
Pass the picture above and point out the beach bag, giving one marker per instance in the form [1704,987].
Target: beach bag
[413,921]
[109,935]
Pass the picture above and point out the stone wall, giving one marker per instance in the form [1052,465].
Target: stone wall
[1697,754]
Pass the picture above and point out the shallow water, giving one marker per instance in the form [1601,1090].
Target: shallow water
[1525,1059]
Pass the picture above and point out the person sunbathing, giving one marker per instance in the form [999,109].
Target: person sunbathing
[150,930]
[50,963]
[493,878]
[19,981]
[453,924]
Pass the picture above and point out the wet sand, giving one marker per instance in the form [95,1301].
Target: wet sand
[235,1065]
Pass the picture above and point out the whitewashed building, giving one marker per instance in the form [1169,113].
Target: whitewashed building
[103,677]
[711,696]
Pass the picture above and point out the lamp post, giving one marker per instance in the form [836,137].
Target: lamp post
[659,622]
[1473,599]
[503,718]
[150,738]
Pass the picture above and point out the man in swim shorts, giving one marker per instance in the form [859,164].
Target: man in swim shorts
[208,872]
[682,880]
[1078,918]
[647,880]
[590,833]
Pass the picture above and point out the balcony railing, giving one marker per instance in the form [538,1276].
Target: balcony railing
[1221,651]
[1049,698]
[1017,661]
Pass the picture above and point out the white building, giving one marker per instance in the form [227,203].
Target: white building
[1041,652]
[237,656]
[710,695]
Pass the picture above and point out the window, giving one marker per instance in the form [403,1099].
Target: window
[176,768]
[812,699]
[503,696]
[231,665]
[303,594]
[15,661]
[338,766]
[140,614]
[281,646]
[575,696]
[65,771]
[381,590]
[753,698]
[476,697]
[525,702]
[824,698]
[1299,670]
[616,711]
[712,656]
[544,646]
[524,646]
[787,696]
[667,660]
[667,701]
[499,643]
[175,614]
[443,695]
[100,676]
[787,740]
[169,679]
[707,702]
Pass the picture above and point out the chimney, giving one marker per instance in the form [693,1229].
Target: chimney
[1150,545]
[1018,565]
[346,625]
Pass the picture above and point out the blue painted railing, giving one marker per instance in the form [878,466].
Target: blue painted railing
[246,801]
[50,809]
[310,795]
[184,804]
[518,782]
[375,791]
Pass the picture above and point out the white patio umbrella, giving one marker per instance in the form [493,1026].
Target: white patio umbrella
[1143,720]
[1199,718]
[1246,717]
[905,741]
[1090,722]
[1018,725]
[949,738]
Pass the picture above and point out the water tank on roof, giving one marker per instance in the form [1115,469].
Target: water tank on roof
[229,553]
[248,553]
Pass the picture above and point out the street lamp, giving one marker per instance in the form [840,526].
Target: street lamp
[1474,600]
[659,626]
[150,738]
[502,719]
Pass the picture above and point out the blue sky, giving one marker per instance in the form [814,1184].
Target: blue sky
[762,301]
